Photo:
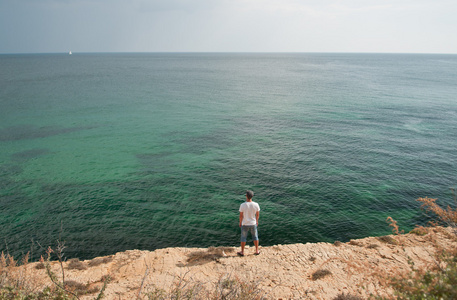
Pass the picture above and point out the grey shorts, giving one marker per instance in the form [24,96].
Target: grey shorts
[244,233]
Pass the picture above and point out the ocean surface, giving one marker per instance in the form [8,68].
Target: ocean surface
[112,152]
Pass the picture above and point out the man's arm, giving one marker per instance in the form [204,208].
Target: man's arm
[241,217]
[257,218]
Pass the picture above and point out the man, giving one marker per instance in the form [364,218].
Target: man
[249,220]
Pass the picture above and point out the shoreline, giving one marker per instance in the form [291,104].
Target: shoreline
[279,272]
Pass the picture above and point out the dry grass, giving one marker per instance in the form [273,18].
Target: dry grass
[14,277]
[435,279]
[373,246]
[231,288]
[80,288]
[448,216]
[69,289]
[344,296]
[100,261]
[420,230]
[76,264]
[394,225]
[16,283]
[228,287]
[387,239]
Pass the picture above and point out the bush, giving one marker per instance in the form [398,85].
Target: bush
[18,285]
[439,281]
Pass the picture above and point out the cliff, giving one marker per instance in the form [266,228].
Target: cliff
[297,271]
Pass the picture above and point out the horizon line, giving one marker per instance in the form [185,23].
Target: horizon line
[221,52]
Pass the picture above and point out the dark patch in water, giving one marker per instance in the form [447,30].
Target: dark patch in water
[155,163]
[9,170]
[220,139]
[29,154]
[147,158]
[6,183]
[26,132]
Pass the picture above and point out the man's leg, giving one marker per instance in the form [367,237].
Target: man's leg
[244,235]
[242,247]
[255,237]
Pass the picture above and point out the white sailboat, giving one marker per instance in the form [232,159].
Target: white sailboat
[69,53]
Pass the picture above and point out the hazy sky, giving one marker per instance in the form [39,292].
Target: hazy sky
[413,26]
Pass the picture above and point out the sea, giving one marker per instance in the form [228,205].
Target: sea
[107,152]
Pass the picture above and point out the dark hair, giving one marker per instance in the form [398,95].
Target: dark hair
[249,194]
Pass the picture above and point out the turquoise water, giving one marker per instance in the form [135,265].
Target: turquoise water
[144,151]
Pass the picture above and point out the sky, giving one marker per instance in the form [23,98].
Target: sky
[380,26]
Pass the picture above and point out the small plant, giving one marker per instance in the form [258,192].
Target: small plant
[156,293]
[395,228]
[229,288]
[438,280]
[76,264]
[80,288]
[373,246]
[319,274]
[344,296]
[226,288]
[14,279]
[100,260]
[312,258]
[15,283]
[446,216]
[52,275]
[387,239]
[438,283]
[181,289]
[419,230]
[40,266]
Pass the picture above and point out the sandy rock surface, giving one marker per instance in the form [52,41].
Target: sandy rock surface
[279,272]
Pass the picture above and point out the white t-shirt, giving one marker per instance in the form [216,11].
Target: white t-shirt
[249,209]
